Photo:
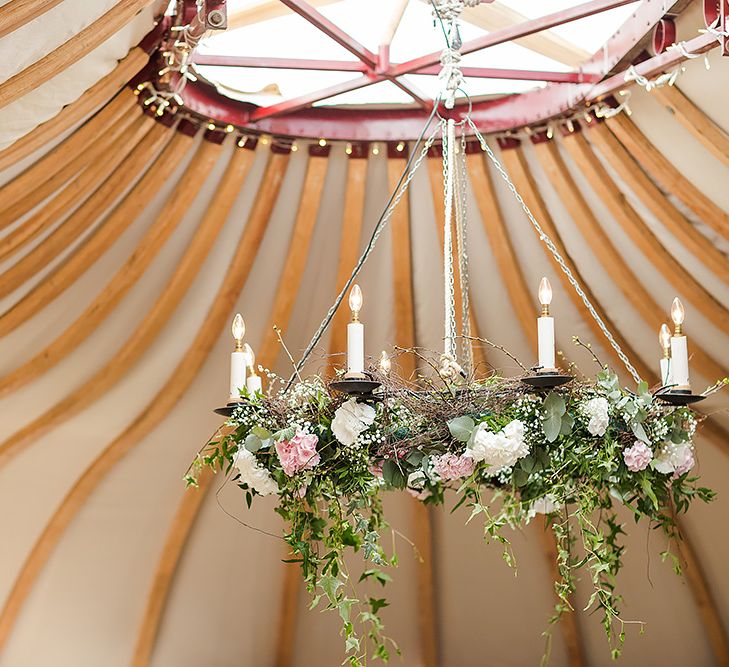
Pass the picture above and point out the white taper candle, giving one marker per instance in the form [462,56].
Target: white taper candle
[679,348]
[238,359]
[355,334]
[545,329]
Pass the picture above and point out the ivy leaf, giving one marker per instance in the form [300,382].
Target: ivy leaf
[461,428]
[378,603]
[329,585]
[392,474]
[253,443]
[352,644]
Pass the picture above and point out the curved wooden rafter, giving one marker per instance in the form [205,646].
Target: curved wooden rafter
[96,164]
[521,299]
[103,237]
[17,13]
[662,171]
[81,44]
[349,247]
[711,136]
[295,263]
[405,337]
[633,225]
[166,399]
[661,208]
[49,173]
[125,279]
[101,93]
[517,166]
[601,245]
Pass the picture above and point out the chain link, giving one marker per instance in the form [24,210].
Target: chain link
[555,253]
[462,246]
[449,295]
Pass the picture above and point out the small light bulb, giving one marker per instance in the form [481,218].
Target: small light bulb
[294,147]
[140,86]
[545,295]
[238,329]
[400,147]
[211,125]
[570,125]
[664,339]
[250,358]
[550,132]
[229,128]
[385,363]
[264,141]
[242,142]
[375,150]
[322,142]
[355,302]
[588,117]
[348,149]
[677,315]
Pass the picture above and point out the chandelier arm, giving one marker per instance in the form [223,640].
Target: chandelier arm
[402,185]
[555,253]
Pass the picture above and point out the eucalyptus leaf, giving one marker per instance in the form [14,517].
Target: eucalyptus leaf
[568,421]
[253,443]
[554,404]
[527,464]
[552,425]
[461,428]
[639,432]
[262,433]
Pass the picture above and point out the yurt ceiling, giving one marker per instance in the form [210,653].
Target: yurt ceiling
[131,233]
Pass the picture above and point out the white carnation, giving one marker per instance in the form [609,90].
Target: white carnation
[254,474]
[596,410]
[674,457]
[351,419]
[499,450]
[544,505]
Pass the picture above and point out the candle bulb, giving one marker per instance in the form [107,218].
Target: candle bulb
[664,339]
[679,348]
[355,335]
[253,383]
[545,329]
[385,363]
[237,359]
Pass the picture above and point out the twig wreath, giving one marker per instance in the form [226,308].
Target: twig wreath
[499,449]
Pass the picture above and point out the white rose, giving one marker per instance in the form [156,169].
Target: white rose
[596,410]
[499,450]
[674,458]
[253,473]
[416,480]
[350,419]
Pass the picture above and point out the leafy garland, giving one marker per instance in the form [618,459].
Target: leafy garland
[570,454]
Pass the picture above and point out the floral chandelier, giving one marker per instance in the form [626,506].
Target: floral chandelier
[545,443]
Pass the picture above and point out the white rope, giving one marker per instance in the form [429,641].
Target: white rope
[449,309]
[557,256]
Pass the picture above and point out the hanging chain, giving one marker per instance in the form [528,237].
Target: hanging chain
[381,223]
[449,296]
[462,248]
[555,253]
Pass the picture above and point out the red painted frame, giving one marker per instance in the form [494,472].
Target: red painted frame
[490,116]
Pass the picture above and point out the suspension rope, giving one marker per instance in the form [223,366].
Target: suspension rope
[557,256]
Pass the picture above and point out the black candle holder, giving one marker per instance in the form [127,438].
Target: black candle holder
[227,409]
[360,385]
[546,380]
[679,396]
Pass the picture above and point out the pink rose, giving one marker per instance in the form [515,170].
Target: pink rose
[298,454]
[452,466]
[685,465]
[638,456]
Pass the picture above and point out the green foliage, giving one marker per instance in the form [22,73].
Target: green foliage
[333,509]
